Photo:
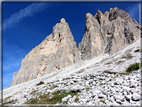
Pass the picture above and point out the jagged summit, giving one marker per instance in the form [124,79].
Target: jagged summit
[57,51]
[104,33]
[108,33]
[62,20]
[116,12]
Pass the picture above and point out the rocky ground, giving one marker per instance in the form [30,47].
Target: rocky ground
[105,80]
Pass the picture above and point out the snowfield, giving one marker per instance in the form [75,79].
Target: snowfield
[99,81]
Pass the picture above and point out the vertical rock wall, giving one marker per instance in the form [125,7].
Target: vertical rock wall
[108,33]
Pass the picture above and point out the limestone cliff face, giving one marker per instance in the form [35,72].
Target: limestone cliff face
[58,50]
[104,33]
[108,33]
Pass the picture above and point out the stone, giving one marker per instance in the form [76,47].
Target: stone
[101,96]
[128,97]
[66,98]
[76,88]
[136,97]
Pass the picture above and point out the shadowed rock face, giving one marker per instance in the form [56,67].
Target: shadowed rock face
[58,50]
[108,33]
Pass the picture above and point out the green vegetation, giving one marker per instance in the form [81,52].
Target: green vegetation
[87,89]
[138,50]
[10,102]
[127,56]
[14,101]
[125,73]
[32,101]
[66,78]
[129,70]
[33,92]
[41,82]
[102,101]
[101,84]
[5,100]
[108,63]
[104,93]
[50,83]
[56,98]
[106,71]
[119,62]
[76,99]
[52,87]
[133,67]
[80,71]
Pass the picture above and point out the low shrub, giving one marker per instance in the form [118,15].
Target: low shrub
[138,50]
[106,71]
[52,87]
[56,98]
[82,70]
[108,63]
[119,62]
[32,101]
[87,89]
[127,56]
[76,99]
[133,67]
[41,82]
[102,101]
[101,84]
[125,73]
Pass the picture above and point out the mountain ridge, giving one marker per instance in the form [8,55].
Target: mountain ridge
[59,50]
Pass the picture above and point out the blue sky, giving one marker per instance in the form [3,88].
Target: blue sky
[26,25]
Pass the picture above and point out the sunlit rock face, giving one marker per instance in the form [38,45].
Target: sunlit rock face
[104,33]
[58,50]
[108,33]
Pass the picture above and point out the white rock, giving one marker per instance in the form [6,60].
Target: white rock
[136,97]
[55,90]
[128,97]
[102,96]
[66,98]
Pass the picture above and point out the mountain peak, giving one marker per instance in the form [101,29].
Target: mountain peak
[108,33]
[104,33]
[62,20]
[57,51]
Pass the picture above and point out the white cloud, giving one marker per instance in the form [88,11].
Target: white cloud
[7,79]
[12,57]
[28,11]
[133,11]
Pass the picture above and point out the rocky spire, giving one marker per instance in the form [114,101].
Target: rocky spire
[57,51]
[115,13]
[100,17]
[92,43]
[108,33]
